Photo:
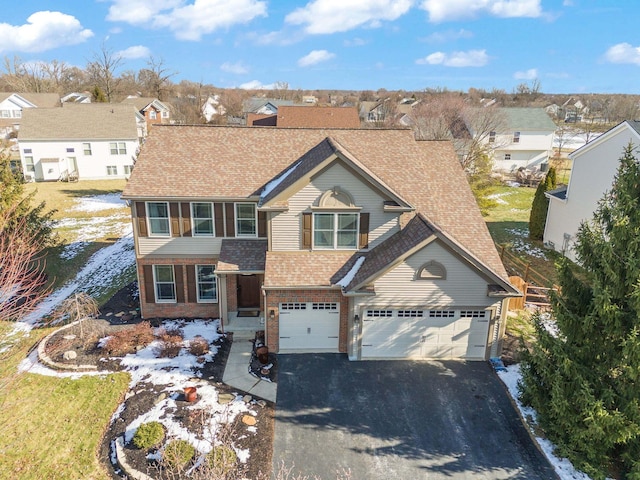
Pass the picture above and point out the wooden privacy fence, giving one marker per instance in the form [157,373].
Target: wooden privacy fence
[533,294]
[516,266]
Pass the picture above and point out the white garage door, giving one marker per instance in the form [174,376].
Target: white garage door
[416,333]
[309,326]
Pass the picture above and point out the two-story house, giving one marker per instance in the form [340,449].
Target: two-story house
[524,140]
[593,169]
[13,104]
[153,110]
[365,242]
[88,141]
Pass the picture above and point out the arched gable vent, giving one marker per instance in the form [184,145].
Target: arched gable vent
[431,270]
[336,198]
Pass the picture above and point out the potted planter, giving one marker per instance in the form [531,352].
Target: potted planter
[190,394]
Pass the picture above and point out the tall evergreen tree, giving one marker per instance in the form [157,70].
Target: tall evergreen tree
[583,377]
[538,215]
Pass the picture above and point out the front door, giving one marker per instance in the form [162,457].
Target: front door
[248,291]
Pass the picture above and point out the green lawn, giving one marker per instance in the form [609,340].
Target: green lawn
[52,427]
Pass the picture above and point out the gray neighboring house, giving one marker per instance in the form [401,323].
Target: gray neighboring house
[91,141]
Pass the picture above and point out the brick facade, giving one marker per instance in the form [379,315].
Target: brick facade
[184,309]
[275,297]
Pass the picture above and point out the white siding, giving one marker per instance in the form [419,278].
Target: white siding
[287,229]
[92,166]
[592,174]
[463,285]
[167,246]
[532,149]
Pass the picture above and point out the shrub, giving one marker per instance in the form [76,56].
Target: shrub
[221,460]
[178,453]
[170,333]
[148,435]
[125,341]
[198,346]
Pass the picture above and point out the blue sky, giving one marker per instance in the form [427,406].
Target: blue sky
[570,46]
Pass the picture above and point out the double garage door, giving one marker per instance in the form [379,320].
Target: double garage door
[417,333]
[310,326]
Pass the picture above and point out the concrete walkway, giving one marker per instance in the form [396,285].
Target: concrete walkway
[236,372]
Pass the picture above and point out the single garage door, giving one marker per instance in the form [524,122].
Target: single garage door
[417,333]
[309,326]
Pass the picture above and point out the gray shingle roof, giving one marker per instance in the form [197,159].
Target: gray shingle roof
[79,122]
[528,119]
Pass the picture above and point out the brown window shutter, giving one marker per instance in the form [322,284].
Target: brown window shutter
[364,231]
[185,211]
[262,224]
[191,284]
[141,214]
[149,287]
[230,212]
[219,219]
[179,279]
[306,230]
[175,219]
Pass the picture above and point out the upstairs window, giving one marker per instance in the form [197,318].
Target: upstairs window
[516,137]
[492,137]
[152,114]
[246,220]
[335,231]
[165,114]
[118,148]
[86,148]
[202,218]
[158,214]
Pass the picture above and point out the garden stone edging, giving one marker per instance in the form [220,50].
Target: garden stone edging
[121,458]
[46,359]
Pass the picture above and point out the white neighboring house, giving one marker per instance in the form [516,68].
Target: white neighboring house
[94,141]
[212,107]
[13,104]
[526,140]
[594,168]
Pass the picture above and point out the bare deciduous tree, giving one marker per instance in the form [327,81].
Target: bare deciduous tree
[156,78]
[102,71]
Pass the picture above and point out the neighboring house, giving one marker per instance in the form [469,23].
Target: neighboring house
[373,112]
[308,117]
[264,106]
[13,104]
[92,141]
[212,108]
[592,172]
[526,139]
[153,110]
[76,97]
[362,241]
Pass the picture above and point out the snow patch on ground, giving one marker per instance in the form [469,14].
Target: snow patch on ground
[97,203]
[498,197]
[522,244]
[90,229]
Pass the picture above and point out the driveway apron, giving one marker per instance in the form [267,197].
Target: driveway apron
[399,420]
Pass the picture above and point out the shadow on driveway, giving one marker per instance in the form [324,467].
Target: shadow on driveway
[399,419]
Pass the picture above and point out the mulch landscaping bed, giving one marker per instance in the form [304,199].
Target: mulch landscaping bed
[121,312]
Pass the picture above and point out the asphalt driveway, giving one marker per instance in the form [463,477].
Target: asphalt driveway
[399,420]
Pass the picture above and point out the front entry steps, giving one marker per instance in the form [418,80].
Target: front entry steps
[238,324]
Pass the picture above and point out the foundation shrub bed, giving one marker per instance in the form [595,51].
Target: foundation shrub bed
[198,346]
[127,341]
[177,454]
[171,342]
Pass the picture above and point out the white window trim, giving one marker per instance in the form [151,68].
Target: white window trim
[168,217]
[198,299]
[193,224]
[255,219]
[119,151]
[115,170]
[155,284]
[86,149]
[335,231]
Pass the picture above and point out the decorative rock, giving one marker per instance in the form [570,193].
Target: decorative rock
[225,398]
[119,314]
[69,337]
[247,399]
[108,314]
[128,395]
[160,398]
[249,420]
[133,312]
[262,403]
[69,355]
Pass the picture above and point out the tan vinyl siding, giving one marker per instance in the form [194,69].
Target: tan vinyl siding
[463,285]
[287,226]
[166,246]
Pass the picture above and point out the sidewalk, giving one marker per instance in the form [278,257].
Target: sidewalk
[236,372]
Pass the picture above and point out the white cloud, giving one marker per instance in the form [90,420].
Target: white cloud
[187,21]
[257,85]
[314,57]
[43,31]
[623,53]
[238,68]
[471,58]
[530,74]
[137,51]
[449,10]
[448,36]
[330,16]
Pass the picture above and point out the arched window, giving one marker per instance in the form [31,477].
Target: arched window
[431,270]
[336,198]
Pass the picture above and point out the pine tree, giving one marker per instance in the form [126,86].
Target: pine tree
[538,215]
[583,378]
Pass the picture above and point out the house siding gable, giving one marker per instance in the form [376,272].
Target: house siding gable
[287,229]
